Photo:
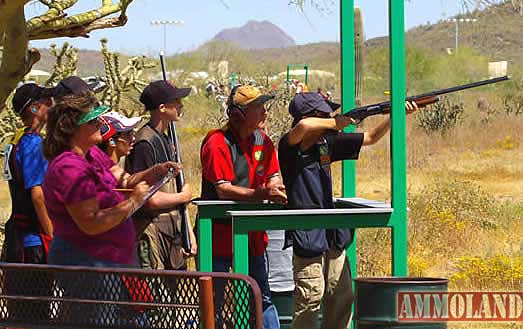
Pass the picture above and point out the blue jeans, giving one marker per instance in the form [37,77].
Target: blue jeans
[258,271]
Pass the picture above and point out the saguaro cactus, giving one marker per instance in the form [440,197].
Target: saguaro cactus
[359,42]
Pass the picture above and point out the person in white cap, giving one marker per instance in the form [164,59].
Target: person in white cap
[117,134]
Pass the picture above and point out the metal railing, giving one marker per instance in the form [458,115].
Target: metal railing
[41,296]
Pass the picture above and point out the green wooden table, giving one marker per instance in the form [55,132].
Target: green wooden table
[256,216]
[349,213]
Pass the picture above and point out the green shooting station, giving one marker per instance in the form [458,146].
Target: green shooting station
[350,212]
[300,66]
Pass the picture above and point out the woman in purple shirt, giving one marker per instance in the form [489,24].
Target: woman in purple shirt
[91,219]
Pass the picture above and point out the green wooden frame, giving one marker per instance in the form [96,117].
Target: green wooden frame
[304,66]
[398,130]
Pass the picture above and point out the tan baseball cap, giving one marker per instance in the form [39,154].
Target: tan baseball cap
[249,95]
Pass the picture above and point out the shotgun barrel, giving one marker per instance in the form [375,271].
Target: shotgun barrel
[180,181]
[363,112]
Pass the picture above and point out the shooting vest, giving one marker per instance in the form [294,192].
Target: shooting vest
[239,162]
[164,235]
[257,240]
[143,216]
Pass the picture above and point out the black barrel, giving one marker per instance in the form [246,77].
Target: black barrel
[376,301]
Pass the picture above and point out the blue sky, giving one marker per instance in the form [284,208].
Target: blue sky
[204,18]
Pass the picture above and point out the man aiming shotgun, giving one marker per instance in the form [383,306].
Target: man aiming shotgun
[320,268]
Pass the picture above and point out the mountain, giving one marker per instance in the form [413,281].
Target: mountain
[256,35]
[90,62]
[496,34]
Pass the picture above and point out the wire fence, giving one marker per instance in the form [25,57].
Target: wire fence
[38,296]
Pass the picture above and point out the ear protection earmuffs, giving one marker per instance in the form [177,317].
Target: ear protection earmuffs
[232,108]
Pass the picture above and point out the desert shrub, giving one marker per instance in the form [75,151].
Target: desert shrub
[513,103]
[447,216]
[486,109]
[512,95]
[497,272]
[279,120]
[507,143]
[373,252]
[441,116]
[418,265]
[446,219]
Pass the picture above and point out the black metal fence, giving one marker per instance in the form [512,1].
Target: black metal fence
[37,296]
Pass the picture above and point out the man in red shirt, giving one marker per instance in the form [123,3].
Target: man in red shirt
[239,163]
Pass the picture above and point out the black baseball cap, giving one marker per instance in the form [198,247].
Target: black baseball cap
[28,93]
[303,103]
[72,85]
[161,92]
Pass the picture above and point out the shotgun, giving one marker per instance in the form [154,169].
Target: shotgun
[360,113]
[180,181]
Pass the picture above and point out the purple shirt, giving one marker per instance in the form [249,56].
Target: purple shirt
[70,179]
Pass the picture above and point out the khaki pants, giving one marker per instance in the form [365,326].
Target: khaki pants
[320,278]
[160,245]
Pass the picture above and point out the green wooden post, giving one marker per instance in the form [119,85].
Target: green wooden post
[241,253]
[347,86]
[233,80]
[205,245]
[348,92]
[306,68]
[398,137]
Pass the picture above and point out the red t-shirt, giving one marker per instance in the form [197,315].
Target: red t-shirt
[217,166]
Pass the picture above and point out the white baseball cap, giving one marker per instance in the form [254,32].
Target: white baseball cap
[115,123]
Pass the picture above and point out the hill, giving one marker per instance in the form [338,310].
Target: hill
[90,62]
[496,34]
[256,35]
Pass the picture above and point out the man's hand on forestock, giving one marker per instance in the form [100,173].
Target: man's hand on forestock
[411,107]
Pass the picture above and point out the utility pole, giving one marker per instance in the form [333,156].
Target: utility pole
[457,21]
[164,24]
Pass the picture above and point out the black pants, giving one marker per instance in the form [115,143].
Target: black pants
[29,284]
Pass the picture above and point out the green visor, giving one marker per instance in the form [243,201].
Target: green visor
[93,114]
